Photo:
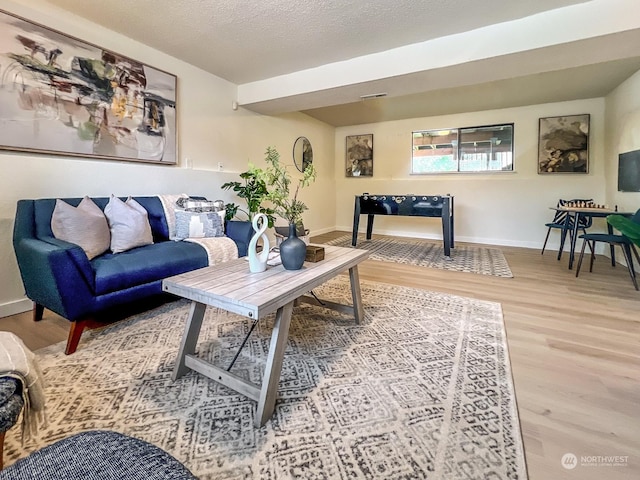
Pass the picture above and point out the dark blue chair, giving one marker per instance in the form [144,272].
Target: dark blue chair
[98,455]
[11,403]
[613,240]
[564,222]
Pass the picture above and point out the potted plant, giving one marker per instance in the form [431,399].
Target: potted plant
[279,183]
[254,191]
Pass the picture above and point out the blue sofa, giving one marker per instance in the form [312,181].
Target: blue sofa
[57,275]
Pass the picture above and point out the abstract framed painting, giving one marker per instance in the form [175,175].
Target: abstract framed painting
[61,95]
[359,156]
[563,144]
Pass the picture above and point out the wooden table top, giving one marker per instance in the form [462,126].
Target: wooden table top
[234,288]
[585,209]
[590,210]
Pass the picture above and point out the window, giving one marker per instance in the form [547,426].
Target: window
[472,149]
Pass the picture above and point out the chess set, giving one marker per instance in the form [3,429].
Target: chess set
[582,204]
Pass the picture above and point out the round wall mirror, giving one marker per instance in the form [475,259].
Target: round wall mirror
[302,153]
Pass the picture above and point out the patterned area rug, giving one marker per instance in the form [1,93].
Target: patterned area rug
[421,390]
[427,253]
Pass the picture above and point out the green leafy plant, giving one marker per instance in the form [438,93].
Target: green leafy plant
[278,180]
[254,191]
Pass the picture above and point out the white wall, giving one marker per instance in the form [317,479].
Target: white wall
[498,208]
[623,135]
[209,132]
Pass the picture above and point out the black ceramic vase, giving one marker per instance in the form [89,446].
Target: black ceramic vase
[293,250]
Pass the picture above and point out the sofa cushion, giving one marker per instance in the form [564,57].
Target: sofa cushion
[198,225]
[84,225]
[146,264]
[43,210]
[129,224]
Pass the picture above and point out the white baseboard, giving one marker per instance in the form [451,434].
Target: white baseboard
[320,231]
[533,244]
[17,306]
[458,238]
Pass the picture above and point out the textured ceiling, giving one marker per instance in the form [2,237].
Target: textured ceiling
[245,41]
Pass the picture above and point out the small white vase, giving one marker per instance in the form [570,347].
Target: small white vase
[258,261]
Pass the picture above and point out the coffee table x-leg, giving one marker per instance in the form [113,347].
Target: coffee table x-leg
[231,287]
[267,393]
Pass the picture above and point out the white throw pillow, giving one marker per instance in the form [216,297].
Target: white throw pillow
[84,225]
[129,224]
[198,225]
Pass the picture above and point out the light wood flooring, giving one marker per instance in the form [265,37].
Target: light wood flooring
[574,345]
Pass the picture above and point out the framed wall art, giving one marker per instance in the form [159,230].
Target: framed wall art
[61,95]
[359,156]
[563,144]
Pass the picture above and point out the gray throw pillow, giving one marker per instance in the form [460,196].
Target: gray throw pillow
[84,225]
[198,225]
[129,224]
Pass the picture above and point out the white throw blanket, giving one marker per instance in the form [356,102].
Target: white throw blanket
[169,206]
[18,362]
[219,249]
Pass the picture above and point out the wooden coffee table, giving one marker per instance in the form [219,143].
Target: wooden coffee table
[232,287]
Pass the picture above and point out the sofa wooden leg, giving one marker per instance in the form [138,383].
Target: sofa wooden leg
[38,312]
[75,331]
[2,450]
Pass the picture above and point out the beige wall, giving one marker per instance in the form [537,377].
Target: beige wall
[623,135]
[209,132]
[498,208]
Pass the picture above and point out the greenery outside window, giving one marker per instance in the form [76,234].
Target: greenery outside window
[470,149]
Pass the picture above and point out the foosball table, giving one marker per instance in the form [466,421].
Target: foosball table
[405,205]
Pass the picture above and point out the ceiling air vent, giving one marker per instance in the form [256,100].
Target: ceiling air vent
[372,95]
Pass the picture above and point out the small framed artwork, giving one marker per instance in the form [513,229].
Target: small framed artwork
[359,156]
[61,95]
[563,144]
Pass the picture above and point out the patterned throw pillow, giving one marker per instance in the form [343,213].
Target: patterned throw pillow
[203,206]
[129,224]
[84,225]
[198,225]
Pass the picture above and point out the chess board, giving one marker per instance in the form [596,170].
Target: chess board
[586,205]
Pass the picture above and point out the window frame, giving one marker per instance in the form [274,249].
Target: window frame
[458,152]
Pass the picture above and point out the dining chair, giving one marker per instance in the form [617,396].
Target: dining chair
[564,222]
[630,229]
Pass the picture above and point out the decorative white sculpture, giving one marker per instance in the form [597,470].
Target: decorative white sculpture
[258,261]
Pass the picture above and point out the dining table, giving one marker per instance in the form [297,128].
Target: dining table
[577,213]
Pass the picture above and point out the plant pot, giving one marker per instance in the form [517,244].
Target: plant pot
[292,250]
